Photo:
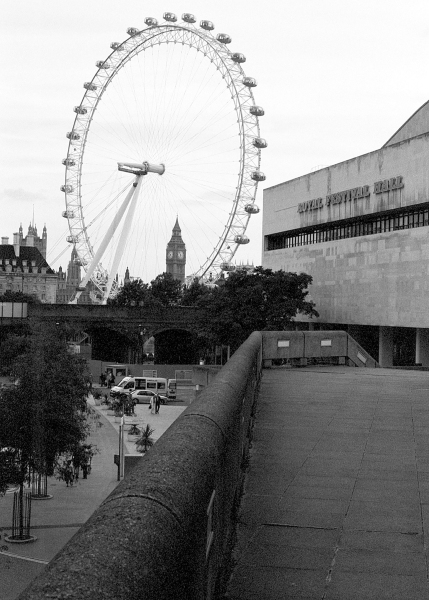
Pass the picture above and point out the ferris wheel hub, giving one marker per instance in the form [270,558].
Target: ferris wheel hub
[142,168]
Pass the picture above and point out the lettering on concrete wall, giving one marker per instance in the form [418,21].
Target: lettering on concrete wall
[387,185]
[348,195]
[310,205]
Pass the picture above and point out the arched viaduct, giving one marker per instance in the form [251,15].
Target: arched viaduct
[117,331]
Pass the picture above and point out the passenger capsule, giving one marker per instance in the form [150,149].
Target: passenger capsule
[151,22]
[68,189]
[257,111]
[223,38]
[69,162]
[90,86]
[117,46]
[252,209]
[228,267]
[207,25]
[101,64]
[249,82]
[68,214]
[238,57]
[259,142]
[77,261]
[72,135]
[80,110]
[132,31]
[188,18]
[258,176]
[241,239]
[72,239]
[169,16]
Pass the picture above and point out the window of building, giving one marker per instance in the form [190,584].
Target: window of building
[406,218]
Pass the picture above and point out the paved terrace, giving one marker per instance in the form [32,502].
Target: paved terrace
[336,504]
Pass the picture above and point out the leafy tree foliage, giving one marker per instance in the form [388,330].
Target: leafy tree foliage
[11,296]
[240,303]
[11,348]
[193,294]
[145,441]
[134,293]
[247,302]
[43,415]
[166,289]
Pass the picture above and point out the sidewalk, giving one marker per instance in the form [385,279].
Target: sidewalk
[56,520]
[336,503]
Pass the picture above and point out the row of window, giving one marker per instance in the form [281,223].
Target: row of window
[360,226]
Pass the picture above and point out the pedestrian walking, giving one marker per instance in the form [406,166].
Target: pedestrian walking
[157,403]
[110,380]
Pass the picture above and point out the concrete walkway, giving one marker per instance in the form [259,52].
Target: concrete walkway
[336,505]
[56,520]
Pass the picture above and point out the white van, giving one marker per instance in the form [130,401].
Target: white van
[172,389]
[155,384]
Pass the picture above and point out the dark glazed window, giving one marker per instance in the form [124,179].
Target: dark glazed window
[405,218]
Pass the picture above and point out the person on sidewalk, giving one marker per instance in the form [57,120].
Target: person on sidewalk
[157,403]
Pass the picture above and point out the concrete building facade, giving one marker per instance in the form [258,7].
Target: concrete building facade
[360,229]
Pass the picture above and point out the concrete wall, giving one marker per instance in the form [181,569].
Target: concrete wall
[292,345]
[375,280]
[417,124]
[408,159]
[379,279]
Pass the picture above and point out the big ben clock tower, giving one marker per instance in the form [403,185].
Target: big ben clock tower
[176,254]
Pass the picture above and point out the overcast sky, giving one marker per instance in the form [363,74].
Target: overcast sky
[336,79]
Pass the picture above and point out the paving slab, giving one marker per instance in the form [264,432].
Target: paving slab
[336,501]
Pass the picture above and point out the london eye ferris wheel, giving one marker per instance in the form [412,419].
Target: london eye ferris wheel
[167,128]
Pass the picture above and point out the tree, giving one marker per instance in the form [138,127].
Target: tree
[11,348]
[145,440]
[11,296]
[193,293]
[166,289]
[43,415]
[134,293]
[246,302]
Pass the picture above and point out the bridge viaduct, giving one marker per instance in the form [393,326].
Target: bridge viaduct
[115,331]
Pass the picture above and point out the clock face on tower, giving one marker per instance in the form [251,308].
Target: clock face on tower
[180,254]
[170,254]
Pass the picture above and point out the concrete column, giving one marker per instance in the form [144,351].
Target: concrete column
[422,347]
[385,347]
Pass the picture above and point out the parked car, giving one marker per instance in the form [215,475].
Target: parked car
[144,396]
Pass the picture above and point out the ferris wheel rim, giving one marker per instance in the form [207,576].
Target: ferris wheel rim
[248,131]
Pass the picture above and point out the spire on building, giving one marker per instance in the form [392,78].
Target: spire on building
[176,254]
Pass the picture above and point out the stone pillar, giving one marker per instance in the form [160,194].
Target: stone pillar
[422,347]
[385,347]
